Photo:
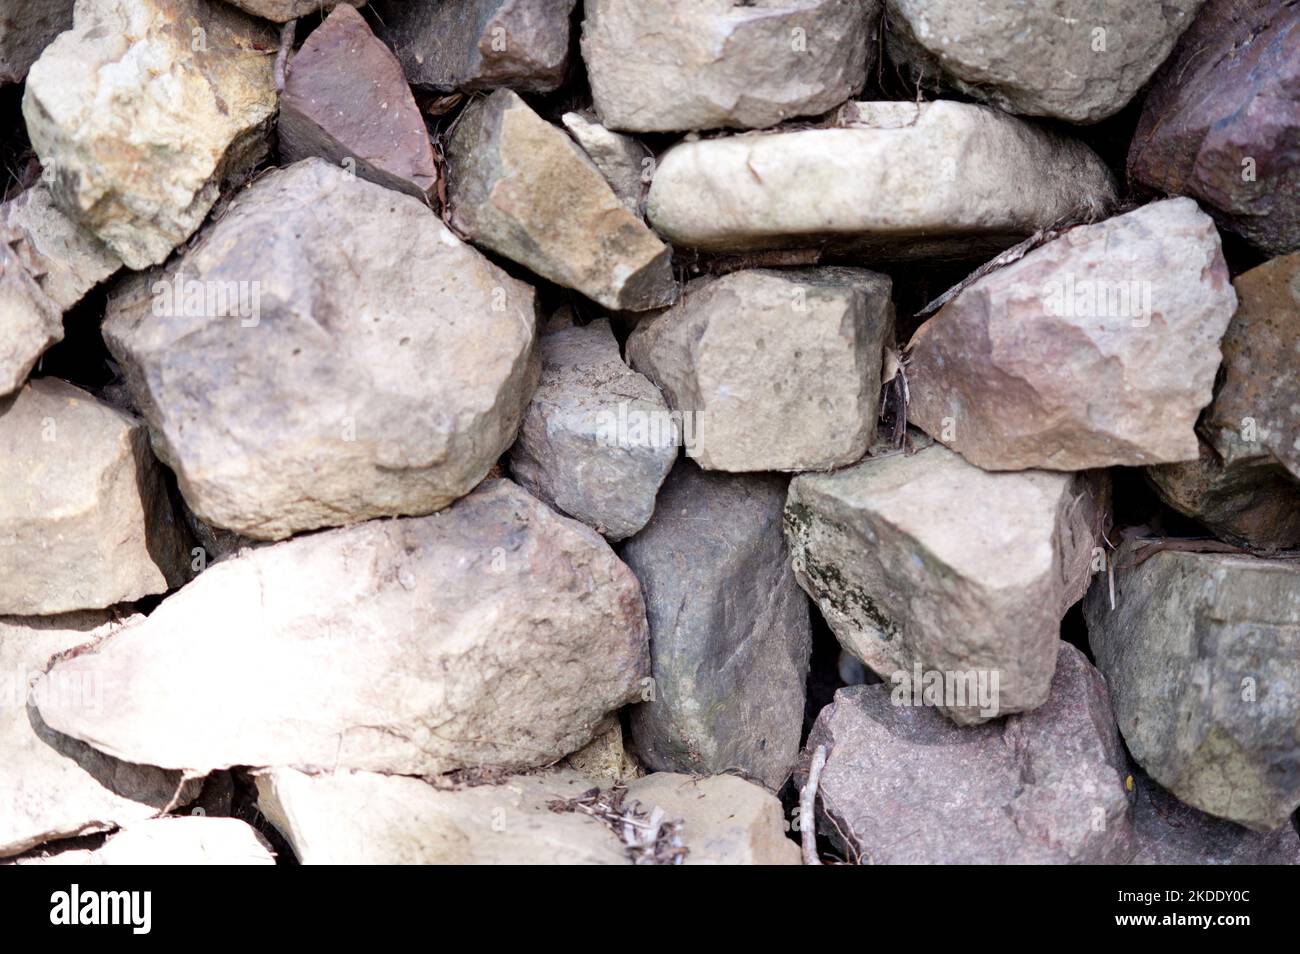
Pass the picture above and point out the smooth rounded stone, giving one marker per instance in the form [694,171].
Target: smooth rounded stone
[480,44]
[1221,122]
[522,188]
[142,119]
[772,370]
[282,11]
[345,99]
[625,162]
[328,352]
[903,785]
[1202,657]
[26,28]
[363,818]
[1245,486]
[66,260]
[86,520]
[730,635]
[675,65]
[1098,349]
[52,786]
[725,820]
[892,180]
[30,322]
[388,647]
[924,563]
[597,439]
[1167,832]
[181,840]
[1076,60]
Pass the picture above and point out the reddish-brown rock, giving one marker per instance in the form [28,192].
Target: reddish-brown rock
[1222,120]
[346,100]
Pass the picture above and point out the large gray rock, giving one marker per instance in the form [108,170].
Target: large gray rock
[1167,832]
[1097,349]
[143,109]
[725,820]
[85,517]
[772,370]
[480,44]
[53,786]
[522,188]
[345,99]
[327,353]
[896,181]
[1245,486]
[903,785]
[362,818]
[927,564]
[670,65]
[497,634]
[1202,657]
[1076,60]
[597,439]
[26,28]
[729,630]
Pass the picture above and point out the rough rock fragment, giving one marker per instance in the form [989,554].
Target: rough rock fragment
[85,518]
[1075,60]
[729,630]
[185,840]
[1095,350]
[387,647]
[1202,657]
[364,818]
[605,757]
[926,564]
[903,785]
[726,820]
[480,44]
[328,352]
[1222,121]
[524,189]
[53,786]
[625,163]
[1167,832]
[282,11]
[141,123]
[345,98]
[672,65]
[1246,484]
[772,370]
[66,260]
[597,439]
[30,322]
[26,28]
[894,180]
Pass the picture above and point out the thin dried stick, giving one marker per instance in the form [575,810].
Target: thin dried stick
[807,801]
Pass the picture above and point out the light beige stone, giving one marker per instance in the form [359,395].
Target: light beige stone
[497,634]
[143,109]
[893,180]
[85,517]
[772,370]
